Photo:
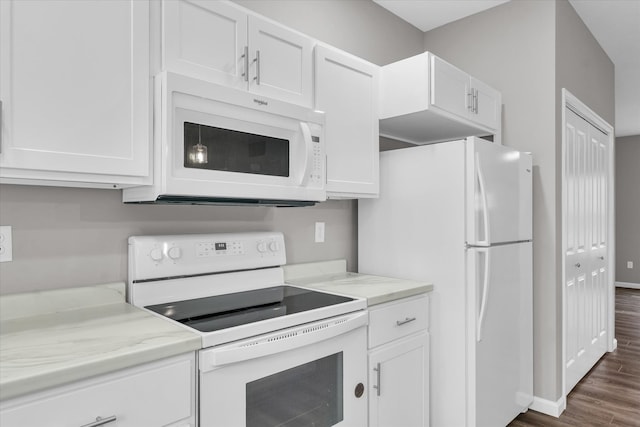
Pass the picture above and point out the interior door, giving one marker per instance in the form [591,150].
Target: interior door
[586,210]
[500,342]
[498,187]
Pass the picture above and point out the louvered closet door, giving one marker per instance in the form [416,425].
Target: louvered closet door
[586,211]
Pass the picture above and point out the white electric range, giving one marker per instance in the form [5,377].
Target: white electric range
[273,354]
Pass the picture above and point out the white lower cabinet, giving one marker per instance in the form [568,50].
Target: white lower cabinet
[399,364]
[155,394]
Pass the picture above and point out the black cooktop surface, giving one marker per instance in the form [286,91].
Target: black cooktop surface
[225,311]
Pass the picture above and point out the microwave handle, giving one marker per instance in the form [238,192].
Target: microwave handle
[308,155]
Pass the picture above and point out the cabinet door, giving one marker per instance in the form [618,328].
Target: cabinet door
[487,104]
[205,40]
[347,92]
[280,62]
[75,87]
[449,88]
[156,394]
[399,383]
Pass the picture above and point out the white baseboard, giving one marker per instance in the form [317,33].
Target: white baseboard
[627,285]
[549,407]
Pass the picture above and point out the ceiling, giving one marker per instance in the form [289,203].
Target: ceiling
[614,23]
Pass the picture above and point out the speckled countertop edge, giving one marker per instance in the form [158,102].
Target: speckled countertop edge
[68,335]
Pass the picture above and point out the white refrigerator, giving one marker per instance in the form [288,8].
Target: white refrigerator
[459,215]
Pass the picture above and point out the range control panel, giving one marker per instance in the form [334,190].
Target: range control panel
[157,257]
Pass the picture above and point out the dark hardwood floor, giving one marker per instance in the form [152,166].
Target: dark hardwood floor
[609,395]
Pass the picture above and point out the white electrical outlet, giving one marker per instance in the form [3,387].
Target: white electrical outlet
[319,232]
[629,264]
[6,247]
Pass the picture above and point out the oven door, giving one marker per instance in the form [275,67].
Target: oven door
[314,374]
[225,143]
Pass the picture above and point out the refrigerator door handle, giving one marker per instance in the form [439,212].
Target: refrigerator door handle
[485,205]
[485,293]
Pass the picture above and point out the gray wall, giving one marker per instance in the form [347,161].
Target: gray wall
[68,237]
[528,50]
[628,208]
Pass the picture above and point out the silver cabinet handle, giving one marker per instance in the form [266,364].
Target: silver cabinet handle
[245,57]
[578,264]
[257,61]
[601,257]
[470,101]
[405,321]
[378,369]
[100,421]
[475,101]
[0,126]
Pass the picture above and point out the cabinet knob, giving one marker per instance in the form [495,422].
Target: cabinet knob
[578,264]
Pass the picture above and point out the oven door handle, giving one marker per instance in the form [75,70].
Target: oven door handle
[280,341]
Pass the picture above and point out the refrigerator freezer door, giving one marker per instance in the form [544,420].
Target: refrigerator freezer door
[498,194]
[500,342]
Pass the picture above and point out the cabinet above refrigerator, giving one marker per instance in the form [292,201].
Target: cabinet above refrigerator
[424,99]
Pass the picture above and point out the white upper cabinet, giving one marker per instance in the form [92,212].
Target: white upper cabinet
[488,104]
[281,62]
[206,40]
[347,91]
[222,43]
[75,92]
[424,99]
[450,89]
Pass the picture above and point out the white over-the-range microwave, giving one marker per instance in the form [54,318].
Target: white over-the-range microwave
[218,145]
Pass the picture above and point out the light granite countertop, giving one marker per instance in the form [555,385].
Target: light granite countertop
[56,337]
[331,276]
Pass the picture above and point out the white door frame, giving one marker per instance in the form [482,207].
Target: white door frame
[569,100]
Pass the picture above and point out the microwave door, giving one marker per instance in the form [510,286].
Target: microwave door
[225,157]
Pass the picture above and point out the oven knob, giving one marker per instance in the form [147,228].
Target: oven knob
[262,247]
[359,391]
[156,254]
[175,253]
[273,246]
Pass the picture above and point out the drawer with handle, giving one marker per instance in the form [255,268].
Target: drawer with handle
[397,319]
[159,393]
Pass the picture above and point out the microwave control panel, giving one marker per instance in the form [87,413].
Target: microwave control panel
[317,173]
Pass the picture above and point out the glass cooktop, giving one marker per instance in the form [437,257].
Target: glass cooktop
[226,311]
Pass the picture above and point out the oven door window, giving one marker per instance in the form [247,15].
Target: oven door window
[214,148]
[307,395]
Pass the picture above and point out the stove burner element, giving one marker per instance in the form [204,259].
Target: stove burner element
[225,311]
